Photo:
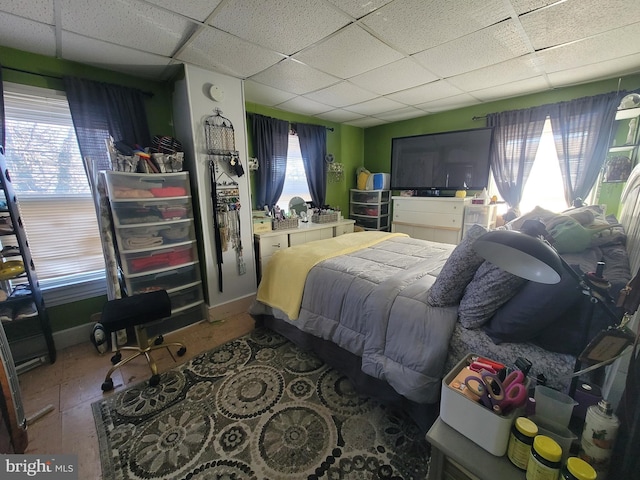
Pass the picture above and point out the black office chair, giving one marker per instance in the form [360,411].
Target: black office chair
[137,311]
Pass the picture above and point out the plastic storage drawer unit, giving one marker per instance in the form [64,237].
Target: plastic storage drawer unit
[166,280]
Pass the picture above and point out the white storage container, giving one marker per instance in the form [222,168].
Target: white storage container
[472,419]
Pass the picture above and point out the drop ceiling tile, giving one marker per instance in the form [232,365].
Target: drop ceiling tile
[449,103]
[295,77]
[614,43]
[341,95]
[38,10]
[348,53]
[512,89]
[525,6]
[304,106]
[27,35]
[81,49]
[217,50]
[616,67]
[134,25]
[416,25]
[399,75]
[366,122]
[488,46]
[376,106]
[499,74]
[197,9]
[285,26]
[400,114]
[255,92]
[425,93]
[358,8]
[575,19]
[339,116]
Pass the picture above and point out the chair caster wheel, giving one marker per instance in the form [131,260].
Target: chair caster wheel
[154,380]
[107,385]
[158,340]
[116,358]
[182,351]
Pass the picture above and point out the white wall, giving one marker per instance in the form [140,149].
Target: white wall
[191,106]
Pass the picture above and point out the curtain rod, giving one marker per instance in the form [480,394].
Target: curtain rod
[54,77]
[478,118]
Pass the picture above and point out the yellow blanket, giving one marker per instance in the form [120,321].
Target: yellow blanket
[283,279]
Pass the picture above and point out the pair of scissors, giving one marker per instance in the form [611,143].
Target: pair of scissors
[501,397]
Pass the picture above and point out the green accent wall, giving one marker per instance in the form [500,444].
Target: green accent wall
[344,142]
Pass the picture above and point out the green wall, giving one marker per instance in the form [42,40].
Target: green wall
[344,142]
[377,140]
[47,72]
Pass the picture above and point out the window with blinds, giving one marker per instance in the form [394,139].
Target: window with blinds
[53,193]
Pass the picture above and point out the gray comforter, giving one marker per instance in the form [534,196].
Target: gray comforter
[373,303]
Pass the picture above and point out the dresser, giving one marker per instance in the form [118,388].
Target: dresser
[435,219]
[267,243]
[370,208]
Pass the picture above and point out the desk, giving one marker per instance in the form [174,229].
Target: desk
[454,456]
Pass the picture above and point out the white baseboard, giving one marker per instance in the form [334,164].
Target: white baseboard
[73,336]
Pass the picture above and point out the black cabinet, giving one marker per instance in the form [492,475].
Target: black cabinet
[22,310]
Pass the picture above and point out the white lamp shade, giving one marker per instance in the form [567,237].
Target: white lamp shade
[521,255]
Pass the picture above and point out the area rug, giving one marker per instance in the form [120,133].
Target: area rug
[255,408]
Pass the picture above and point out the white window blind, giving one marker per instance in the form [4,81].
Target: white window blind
[295,182]
[53,193]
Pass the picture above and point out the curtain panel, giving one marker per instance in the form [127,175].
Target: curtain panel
[313,148]
[516,136]
[582,134]
[270,138]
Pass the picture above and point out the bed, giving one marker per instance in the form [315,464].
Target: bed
[397,313]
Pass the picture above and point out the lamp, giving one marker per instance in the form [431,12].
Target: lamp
[526,255]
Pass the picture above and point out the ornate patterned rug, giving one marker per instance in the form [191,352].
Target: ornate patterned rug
[255,408]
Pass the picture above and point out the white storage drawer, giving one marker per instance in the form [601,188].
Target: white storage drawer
[271,244]
[166,280]
[185,297]
[132,186]
[446,206]
[150,211]
[158,260]
[444,220]
[150,236]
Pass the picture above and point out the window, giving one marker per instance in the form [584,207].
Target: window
[295,182]
[56,204]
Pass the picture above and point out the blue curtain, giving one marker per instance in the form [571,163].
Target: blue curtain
[516,135]
[2,128]
[582,133]
[270,144]
[100,110]
[313,148]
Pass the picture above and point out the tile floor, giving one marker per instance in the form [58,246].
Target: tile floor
[73,383]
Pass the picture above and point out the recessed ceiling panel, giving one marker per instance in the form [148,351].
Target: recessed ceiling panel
[341,94]
[607,69]
[400,75]
[425,93]
[416,25]
[499,74]
[132,62]
[488,46]
[449,103]
[400,114]
[197,9]
[131,24]
[264,94]
[294,77]
[575,19]
[212,48]
[27,35]
[284,26]
[359,8]
[376,106]
[349,52]
[38,10]
[366,122]
[304,106]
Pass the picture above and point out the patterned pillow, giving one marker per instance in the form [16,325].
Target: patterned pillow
[490,288]
[457,271]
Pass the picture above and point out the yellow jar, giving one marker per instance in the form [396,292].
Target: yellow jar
[578,469]
[544,460]
[520,441]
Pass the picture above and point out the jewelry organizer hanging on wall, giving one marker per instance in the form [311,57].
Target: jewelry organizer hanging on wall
[224,164]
